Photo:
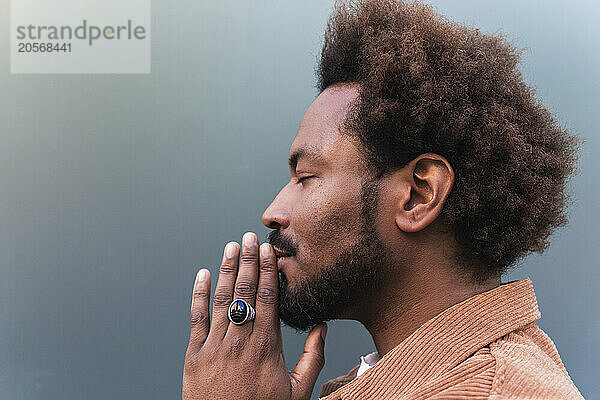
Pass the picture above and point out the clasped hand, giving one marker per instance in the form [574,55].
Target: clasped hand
[228,361]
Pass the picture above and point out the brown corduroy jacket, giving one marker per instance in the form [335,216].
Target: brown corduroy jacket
[486,347]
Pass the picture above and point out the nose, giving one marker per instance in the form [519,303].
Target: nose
[277,215]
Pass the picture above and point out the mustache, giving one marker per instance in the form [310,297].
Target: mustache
[275,238]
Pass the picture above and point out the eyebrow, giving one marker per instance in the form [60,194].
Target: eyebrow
[306,152]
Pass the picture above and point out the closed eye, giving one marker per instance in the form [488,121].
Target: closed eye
[300,180]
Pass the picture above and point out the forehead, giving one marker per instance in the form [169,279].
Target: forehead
[318,132]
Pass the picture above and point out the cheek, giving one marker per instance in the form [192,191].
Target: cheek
[325,226]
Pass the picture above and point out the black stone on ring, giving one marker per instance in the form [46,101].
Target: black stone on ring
[240,312]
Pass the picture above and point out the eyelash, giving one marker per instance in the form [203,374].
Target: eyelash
[303,179]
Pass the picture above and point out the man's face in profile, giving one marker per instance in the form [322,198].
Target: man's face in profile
[329,253]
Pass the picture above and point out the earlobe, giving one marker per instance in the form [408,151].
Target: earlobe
[426,183]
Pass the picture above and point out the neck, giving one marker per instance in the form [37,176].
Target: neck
[399,311]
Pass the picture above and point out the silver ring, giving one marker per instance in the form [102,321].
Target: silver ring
[240,312]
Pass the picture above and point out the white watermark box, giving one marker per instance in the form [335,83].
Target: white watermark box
[80,36]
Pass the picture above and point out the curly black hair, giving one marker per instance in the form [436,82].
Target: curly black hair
[428,84]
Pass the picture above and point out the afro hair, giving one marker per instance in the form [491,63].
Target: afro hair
[428,84]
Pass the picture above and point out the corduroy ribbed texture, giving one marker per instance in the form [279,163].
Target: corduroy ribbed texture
[486,347]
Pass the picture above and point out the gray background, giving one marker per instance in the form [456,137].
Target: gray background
[117,188]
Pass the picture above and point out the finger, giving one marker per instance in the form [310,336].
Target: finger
[200,317]
[247,278]
[224,291]
[267,318]
[311,362]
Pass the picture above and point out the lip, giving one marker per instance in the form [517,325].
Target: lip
[282,257]
[281,261]
[280,253]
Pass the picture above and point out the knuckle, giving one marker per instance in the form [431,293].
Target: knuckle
[222,299]
[248,256]
[267,294]
[245,288]
[267,265]
[236,346]
[198,317]
[200,294]
[264,343]
[227,268]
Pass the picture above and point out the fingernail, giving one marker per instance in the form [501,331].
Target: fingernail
[324,332]
[265,250]
[230,250]
[249,239]
[202,275]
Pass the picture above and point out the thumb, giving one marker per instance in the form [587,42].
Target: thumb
[310,364]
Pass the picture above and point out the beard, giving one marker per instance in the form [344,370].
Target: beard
[353,277]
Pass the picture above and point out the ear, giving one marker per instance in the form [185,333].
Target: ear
[422,188]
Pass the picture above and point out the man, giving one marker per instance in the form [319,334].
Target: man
[422,171]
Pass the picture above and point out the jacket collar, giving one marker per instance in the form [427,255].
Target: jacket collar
[442,342]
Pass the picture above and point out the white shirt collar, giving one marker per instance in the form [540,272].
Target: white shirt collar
[367,362]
